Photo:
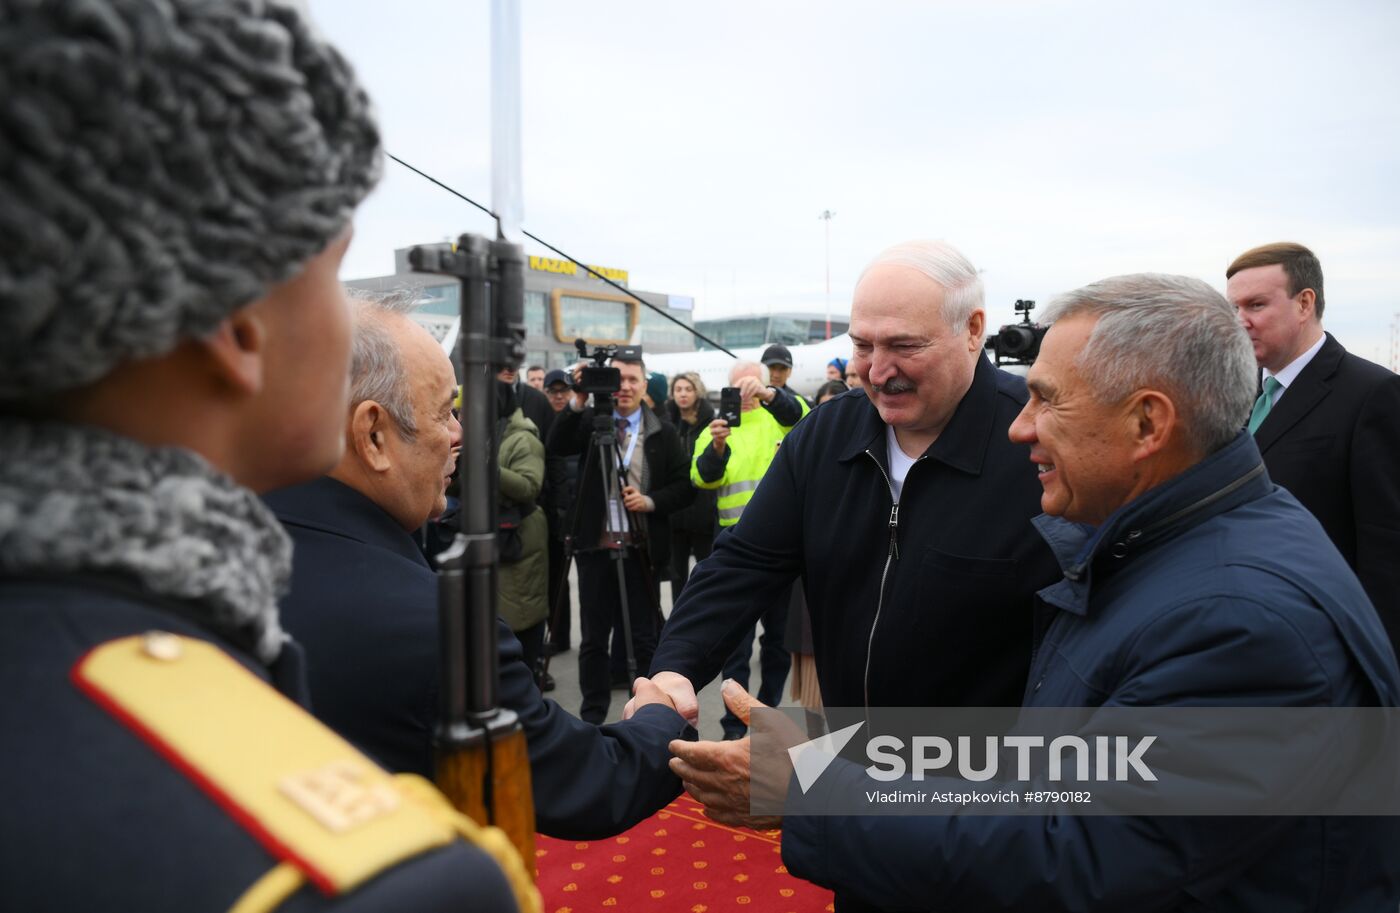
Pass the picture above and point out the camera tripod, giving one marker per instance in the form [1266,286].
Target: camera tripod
[605,470]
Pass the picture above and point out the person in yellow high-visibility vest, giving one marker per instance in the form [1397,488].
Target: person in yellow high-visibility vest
[733,461]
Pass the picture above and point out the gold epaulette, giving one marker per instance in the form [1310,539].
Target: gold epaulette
[331,815]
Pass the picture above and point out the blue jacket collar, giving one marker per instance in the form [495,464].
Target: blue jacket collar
[1222,481]
[333,507]
[963,443]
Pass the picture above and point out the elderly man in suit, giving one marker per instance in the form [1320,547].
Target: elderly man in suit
[1327,422]
[363,599]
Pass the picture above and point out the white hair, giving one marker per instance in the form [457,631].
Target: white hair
[1174,333]
[945,265]
[376,368]
[744,369]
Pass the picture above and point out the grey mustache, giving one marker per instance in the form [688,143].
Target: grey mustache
[897,385]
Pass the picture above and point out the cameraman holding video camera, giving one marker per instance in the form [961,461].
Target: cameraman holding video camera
[656,483]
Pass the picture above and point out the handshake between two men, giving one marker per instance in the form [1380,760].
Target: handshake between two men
[715,774]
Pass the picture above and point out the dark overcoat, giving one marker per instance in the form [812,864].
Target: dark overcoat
[364,605]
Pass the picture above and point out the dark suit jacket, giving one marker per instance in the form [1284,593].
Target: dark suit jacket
[1333,440]
[667,473]
[363,604]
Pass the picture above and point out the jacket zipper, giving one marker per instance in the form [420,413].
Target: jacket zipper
[892,554]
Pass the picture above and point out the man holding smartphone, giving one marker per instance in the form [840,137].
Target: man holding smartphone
[732,457]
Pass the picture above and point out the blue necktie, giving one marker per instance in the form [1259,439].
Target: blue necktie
[1263,404]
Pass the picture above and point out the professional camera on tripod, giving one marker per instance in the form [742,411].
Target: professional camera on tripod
[1017,343]
[625,455]
[605,464]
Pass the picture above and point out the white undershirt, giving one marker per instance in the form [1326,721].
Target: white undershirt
[899,462]
[1295,367]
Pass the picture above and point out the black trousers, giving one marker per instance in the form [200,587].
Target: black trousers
[600,614]
[561,607]
[532,642]
[774,663]
[685,543]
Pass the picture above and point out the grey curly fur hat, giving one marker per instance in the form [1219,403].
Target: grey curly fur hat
[162,163]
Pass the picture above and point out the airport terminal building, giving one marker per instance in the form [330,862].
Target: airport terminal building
[791,329]
[563,302]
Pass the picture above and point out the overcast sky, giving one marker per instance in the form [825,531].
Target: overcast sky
[1055,143]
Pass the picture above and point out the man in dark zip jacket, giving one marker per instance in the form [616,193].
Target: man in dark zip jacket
[920,570]
[903,508]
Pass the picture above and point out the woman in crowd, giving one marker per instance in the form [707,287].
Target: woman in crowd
[523,530]
[692,528]
[829,389]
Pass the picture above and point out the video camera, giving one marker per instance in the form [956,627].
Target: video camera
[599,378]
[1017,343]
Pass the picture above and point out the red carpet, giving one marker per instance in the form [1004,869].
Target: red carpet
[677,860]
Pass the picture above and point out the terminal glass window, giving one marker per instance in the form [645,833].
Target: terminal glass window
[748,332]
[736,332]
[790,331]
[443,300]
[535,324]
[594,319]
[819,329]
[658,331]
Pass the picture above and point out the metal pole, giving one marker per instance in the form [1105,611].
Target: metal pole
[507,195]
[477,479]
[826,217]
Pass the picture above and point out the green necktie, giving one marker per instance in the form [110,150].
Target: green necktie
[1264,403]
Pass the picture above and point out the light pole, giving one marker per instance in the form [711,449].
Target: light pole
[826,217]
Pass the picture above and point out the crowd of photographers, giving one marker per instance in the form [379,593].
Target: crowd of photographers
[540,531]
[721,489]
